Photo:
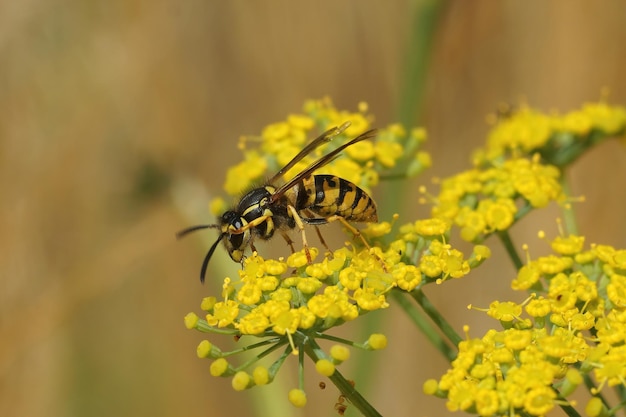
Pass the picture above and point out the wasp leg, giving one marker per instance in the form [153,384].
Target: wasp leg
[300,224]
[289,241]
[319,235]
[317,229]
[356,233]
[247,226]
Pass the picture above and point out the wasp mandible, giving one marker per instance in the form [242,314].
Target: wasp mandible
[305,199]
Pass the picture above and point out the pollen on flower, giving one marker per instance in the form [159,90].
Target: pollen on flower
[299,259]
[253,323]
[286,322]
[431,227]
[504,311]
[539,401]
[539,307]
[367,299]
[224,313]
[249,294]
[308,285]
[569,245]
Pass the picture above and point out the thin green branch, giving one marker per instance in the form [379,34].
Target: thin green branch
[506,240]
[424,325]
[436,317]
[569,216]
[313,350]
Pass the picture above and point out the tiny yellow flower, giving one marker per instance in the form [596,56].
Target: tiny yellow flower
[219,367]
[241,381]
[260,375]
[297,397]
[224,313]
[191,320]
[369,300]
[339,353]
[208,303]
[539,401]
[377,341]
[388,153]
[253,323]
[324,367]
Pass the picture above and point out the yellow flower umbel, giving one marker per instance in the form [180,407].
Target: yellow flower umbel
[361,164]
[559,139]
[289,304]
[576,324]
[572,327]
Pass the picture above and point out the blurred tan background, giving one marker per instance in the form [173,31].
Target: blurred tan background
[109,109]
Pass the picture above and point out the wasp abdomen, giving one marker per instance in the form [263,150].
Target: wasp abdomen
[328,195]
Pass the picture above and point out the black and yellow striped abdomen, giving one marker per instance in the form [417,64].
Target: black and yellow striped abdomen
[328,195]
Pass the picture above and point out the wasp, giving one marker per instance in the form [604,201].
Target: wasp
[306,199]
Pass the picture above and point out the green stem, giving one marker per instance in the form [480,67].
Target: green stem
[336,339]
[569,410]
[204,327]
[313,350]
[621,392]
[423,25]
[301,369]
[436,317]
[591,386]
[424,325]
[505,238]
[256,358]
[569,217]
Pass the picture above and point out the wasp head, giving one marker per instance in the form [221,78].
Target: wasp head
[231,234]
[235,240]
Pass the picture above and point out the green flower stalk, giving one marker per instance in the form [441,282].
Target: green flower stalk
[568,330]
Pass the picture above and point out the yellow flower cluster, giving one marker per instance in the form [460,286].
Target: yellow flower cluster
[289,295]
[481,201]
[576,324]
[528,131]
[361,164]
[290,303]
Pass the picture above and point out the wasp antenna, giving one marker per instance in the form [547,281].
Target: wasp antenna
[188,230]
[207,258]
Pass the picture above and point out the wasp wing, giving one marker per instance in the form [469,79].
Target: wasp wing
[323,138]
[319,163]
